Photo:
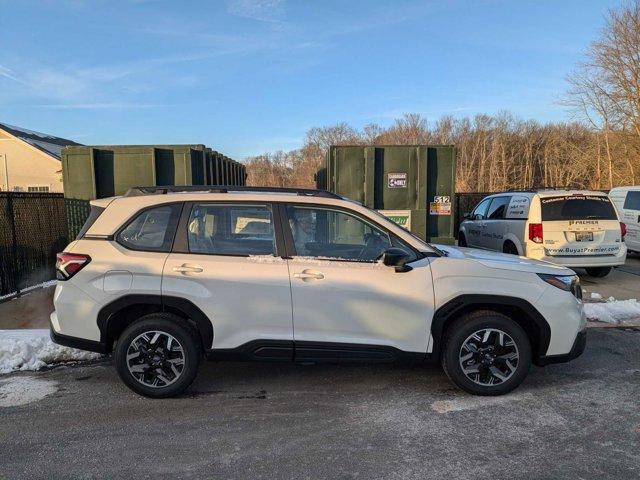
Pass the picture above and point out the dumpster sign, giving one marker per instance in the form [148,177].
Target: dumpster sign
[441,205]
[397,180]
[399,217]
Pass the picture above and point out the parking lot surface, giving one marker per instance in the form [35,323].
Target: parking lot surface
[575,420]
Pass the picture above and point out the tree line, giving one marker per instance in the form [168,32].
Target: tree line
[598,149]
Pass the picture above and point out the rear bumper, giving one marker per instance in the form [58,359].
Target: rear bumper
[582,261]
[74,342]
[577,349]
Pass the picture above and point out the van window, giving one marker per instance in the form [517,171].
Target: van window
[480,211]
[632,201]
[497,208]
[577,207]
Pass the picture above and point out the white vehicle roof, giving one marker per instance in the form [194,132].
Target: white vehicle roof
[543,193]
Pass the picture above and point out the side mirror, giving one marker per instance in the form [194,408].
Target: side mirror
[397,258]
[467,215]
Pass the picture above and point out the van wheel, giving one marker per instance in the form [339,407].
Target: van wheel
[598,271]
[462,240]
[510,248]
[486,353]
[158,355]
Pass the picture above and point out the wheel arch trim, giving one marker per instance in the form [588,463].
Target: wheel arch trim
[464,303]
[160,303]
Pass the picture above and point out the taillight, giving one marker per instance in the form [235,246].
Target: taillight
[68,264]
[623,230]
[535,232]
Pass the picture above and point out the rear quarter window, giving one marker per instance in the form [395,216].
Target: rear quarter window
[577,207]
[152,229]
[632,201]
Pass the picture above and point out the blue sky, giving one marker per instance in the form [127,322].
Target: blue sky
[249,76]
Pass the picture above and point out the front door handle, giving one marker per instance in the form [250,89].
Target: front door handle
[309,275]
[188,269]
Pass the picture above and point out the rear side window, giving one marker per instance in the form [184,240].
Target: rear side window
[577,207]
[91,219]
[632,201]
[497,208]
[152,230]
[240,230]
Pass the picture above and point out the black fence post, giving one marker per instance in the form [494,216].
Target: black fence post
[15,269]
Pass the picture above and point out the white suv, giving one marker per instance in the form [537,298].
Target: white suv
[161,278]
[574,228]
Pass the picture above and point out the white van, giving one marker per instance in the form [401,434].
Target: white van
[574,228]
[627,202]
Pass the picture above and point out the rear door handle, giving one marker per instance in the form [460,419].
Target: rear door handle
[308,275]
[188,269]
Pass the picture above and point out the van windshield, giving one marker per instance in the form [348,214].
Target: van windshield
[577,207]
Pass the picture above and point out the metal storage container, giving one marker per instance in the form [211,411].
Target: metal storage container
[412,185]
[91,172]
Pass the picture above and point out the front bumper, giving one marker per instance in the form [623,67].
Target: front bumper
[577,349]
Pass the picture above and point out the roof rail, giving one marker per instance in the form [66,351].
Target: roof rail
[163,190]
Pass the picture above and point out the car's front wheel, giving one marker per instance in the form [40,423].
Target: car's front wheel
[158,355]
[486,353]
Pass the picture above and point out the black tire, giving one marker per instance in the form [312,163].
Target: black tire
[462,240]
[462,329]
[190,354]
[510,248]
[598,271]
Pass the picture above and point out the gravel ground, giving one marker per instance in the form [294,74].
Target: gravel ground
[577,420]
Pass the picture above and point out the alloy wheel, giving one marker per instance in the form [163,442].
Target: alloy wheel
[155,359]
[489,357]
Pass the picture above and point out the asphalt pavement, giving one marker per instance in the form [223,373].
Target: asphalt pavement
[575,420]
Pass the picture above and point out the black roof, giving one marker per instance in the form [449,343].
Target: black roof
[47,143]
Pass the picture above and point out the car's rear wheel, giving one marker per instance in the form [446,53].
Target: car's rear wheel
[598,271]
[462,240]
[510,248]
[486,353]
[158,355]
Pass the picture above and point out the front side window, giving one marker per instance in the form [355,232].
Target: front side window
[480,211]
[498,207]
[240,230]
[152,230]
[334,234]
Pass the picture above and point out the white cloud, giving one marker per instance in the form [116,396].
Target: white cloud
[262,10]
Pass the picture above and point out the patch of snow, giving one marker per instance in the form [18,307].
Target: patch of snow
[265,259]
[613,311]
[33,349]
[22,390]
[596,296]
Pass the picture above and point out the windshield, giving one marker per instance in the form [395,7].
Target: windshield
[577,207]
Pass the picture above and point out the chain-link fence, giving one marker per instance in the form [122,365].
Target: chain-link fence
[33,228]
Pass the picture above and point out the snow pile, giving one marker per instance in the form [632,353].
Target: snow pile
[33,349]
[613,311]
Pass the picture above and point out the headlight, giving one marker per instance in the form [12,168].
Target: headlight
[568,283]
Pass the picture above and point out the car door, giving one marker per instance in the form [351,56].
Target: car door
[226,262]
[475,226]
[343,299]
[494,224]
